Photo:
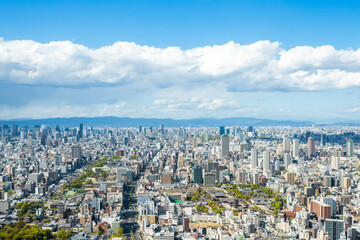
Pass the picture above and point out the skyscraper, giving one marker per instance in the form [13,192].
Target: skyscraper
[222,130]
[197,176]
[286,145]
[266,160]
[311,147]
[76,151]
[349,148]
[287,160]
[295,147]
[30,139]
[81,129]
[334,227]
[254,158]
[323,139]
[225,139]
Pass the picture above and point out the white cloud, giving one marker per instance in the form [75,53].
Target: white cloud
[261,66]
[351,110]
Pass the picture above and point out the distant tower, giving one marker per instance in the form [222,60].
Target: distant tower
[81,129]
[30,139]
[295,147]
[266,160]
[222,130]
[349,148]
[311,147]
[287,160]
[225,139]
[162,129]
[286,145]
[323,139]
[254,158]
[195,142]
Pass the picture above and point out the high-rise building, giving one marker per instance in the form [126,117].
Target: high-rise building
[320,209]
[241,176]
[334,227]
[290,178]
[295,147]
[197,174]
[266,160]
[349,148]
[254,158]
[286,145]
[311,147]
[30,139]
[209,179]
[76,151]
[323,139]
[331,201]
[222,130]
[81,131]
[186,224]
[335,163]
[287,160]
[225,139]
[166,178]
[162,129]
[195,142]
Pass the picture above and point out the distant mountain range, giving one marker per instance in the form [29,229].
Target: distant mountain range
[168,122]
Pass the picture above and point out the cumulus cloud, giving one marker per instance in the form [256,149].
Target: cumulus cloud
[261,66]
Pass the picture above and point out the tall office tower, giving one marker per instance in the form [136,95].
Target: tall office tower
[250,129]
[295,147]
[222,130]
[30,139]
[209,179]
[140,128]
[323,139]
[286,145]
[335,162]
[22,135]
[287,160]
[76,151]
[14,130]
[334,227]
[266,160]
[349,148]
[254,158]
[311,147]
[197,174]
[43,139]
[307,135]
[162,129]
[225,139]
[195,142]
[81,130]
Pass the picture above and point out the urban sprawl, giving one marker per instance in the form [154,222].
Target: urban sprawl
[161,183]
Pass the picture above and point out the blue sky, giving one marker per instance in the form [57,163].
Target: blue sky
[268,59]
